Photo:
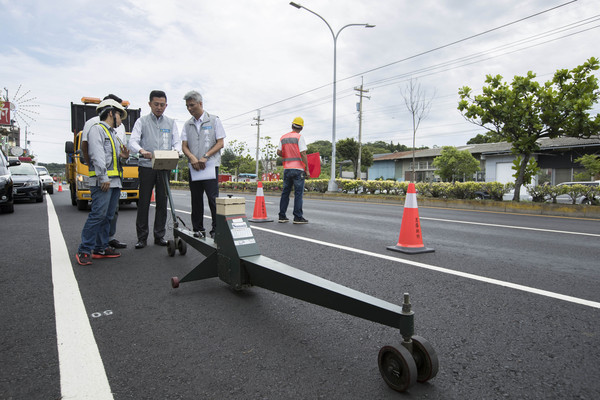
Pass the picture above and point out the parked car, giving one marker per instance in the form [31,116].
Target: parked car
[524,196]
[47,181]
[27,183]
[6,184]
[566,199]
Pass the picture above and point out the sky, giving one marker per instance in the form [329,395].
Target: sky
[244,56]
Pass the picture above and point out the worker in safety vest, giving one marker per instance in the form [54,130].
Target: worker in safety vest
[292,149]
[106,176]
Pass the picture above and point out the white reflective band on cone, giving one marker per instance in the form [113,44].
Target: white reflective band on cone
[411,200]
[259,192]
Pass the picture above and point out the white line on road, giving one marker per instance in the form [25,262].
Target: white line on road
[442,270]
[511,227]
[82,374]
[466,275]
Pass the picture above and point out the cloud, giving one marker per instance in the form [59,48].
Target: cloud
[243,56]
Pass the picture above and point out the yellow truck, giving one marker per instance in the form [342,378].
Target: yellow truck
[76,169]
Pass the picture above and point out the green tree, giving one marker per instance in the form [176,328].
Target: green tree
[323,147]
[236,156]
[269,153]
[348,150]
[525,111]
[452,164]
[591,163]
[488,137]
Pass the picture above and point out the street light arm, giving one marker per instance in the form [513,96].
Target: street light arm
[345,26]
[299,6]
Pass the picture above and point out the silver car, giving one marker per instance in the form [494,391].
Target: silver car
[47,180]
[566,199]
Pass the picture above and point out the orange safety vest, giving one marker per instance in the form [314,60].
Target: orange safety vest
[291,152]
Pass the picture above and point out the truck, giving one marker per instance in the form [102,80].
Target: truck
[77,172]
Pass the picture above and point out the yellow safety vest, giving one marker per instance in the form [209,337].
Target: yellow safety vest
[115,168]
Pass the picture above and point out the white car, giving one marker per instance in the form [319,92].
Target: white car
[566,199]
[525,196]
[47,180]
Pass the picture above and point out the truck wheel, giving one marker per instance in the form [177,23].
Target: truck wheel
[82,205]
[50,190]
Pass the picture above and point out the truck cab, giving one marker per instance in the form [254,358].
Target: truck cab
[77,171]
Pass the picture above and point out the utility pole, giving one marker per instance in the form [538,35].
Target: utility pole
[361,92]
[257,124]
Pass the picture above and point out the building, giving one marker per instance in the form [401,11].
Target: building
[555,159]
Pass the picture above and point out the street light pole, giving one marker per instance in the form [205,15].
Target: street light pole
[332,186]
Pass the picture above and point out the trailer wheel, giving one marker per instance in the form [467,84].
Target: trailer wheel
[425,358]
[174,282]
[171,248]
[181,246]
[397,367]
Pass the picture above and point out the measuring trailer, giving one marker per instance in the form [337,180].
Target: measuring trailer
[233,256]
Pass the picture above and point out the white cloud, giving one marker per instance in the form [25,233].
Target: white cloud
[247,55]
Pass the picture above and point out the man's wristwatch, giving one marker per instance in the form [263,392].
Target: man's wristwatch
[205,156]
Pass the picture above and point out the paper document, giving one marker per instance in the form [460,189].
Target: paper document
[207,173]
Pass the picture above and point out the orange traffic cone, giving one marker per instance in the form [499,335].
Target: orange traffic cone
[260,208]
[60,186]
[152,200]
[411,239]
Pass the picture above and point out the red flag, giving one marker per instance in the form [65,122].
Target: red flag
[314,164]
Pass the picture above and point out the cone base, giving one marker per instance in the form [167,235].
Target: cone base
[261,220]
[410,250]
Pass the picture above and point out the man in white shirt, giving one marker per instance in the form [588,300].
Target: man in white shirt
[202,138]
[151,132]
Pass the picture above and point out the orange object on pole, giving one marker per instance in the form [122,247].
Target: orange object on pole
[411,237]
[260,208]
[152,200]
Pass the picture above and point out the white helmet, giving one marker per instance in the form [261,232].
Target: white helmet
[110,103]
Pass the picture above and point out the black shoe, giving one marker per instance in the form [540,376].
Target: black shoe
[283,220]
[212,234]
[200,233]
[116,244]
[140,244]
[160,242]
[300,220]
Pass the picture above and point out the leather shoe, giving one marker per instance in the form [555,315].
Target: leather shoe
[116,244]
[140,244]
[160,242]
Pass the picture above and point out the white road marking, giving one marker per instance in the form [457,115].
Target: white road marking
[466,275]
[442,270]
[512,227]
[82,374]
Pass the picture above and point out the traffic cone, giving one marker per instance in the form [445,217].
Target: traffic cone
[411,239]
[152,200]
[260,208]
[60,186]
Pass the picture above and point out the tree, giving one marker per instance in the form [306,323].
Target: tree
[236,155]
[452,164]
[525,111]
[323,147]
[484,138]
[269,153]
[348,150]
[418,105]
[591,163]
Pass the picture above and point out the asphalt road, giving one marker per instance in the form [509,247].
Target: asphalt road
[509,302]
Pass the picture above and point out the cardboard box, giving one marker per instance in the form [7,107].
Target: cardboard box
[165,159]
[231,205]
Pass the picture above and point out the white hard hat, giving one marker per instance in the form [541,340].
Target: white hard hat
[112,104]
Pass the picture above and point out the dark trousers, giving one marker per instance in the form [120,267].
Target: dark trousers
[197,189]
[151,179]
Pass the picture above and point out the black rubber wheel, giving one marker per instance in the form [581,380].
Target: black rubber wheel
[397,367]
[171,249]
[174,282]
[181,246]
[82,205]
[425,358]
